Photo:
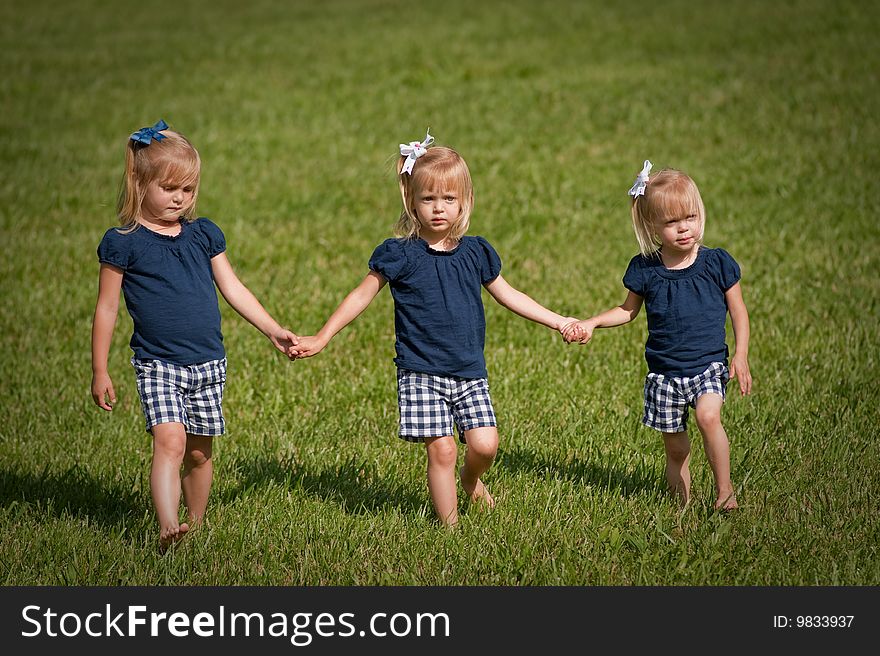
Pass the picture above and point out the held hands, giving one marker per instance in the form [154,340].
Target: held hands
[570,326]
[102,387]
[578,331]
[283,340]
[739,370]
[306,348]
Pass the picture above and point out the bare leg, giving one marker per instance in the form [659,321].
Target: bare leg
[198,472]
[169,441]
[482,445]
[717,448]
[678,473]
[442,456]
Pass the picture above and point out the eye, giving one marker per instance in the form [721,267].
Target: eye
[450,199]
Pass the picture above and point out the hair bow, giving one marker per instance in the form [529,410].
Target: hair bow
[146,135]
[638,189]
[415,149]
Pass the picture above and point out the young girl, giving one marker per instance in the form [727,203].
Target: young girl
[435,273]
[687,290]
[166,264]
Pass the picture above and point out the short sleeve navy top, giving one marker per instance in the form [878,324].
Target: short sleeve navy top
[168,285]
[686,308]
[439,321]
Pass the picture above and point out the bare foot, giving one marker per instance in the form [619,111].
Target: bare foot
[171,536]
[726,502]
[478,494]
[682,495]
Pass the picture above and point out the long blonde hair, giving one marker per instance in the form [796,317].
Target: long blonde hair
[438,166]
[173,160]
[668,193]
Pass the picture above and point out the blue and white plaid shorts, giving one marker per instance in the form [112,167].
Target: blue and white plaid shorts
[430,404]
[667,398]
[191,395]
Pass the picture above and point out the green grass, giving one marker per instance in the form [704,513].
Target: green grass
[297,109]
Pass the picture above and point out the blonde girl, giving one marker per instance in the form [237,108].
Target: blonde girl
[166,262]
[687,290]
[436,272]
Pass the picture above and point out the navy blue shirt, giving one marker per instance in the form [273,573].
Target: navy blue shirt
[686,308]
[439,322]
[168,285]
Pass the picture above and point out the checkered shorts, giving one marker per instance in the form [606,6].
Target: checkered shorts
[430,404]
[191,395]
[667,398]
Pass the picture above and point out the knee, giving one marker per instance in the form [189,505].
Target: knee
[443,453]
[708,418]
[168,446]
[196,457]
[484,447]
[677,450]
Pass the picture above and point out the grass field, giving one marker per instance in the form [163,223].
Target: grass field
[297,109]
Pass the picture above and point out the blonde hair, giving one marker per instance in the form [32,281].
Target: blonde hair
[438,166]
[669,193]
[173,161]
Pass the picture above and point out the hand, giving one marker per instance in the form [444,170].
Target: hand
[739,370]
[306,348]
[569,327]
[579,331]
[283,340]
[102,387]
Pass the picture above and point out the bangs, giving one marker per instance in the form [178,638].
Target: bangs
[678,197]
[446,175]
[178,172]
[674,205]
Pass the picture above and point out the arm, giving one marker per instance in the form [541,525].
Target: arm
[617,316]
[350,308]
[525,306]
[106,309]
[739,317]
[246,304]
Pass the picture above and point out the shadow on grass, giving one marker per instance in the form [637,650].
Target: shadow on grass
[577,471]
[74,493]
[354,485]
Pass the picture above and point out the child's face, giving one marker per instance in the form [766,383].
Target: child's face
[165,201]
[677,233]
[437,210]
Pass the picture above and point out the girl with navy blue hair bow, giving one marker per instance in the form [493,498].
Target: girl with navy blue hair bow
[166,262]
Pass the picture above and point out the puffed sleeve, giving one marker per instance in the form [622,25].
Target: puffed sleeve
[388,259]
[114,249]
[728,270]
[490,262]
[634,278]
[216,239]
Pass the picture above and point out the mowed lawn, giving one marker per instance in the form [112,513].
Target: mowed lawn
[297,110]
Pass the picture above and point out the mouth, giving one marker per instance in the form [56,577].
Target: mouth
[684,240]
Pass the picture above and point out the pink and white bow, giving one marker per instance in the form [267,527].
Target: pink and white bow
[415,149]
[638,189]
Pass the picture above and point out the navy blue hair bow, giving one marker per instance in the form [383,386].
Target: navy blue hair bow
[146,135]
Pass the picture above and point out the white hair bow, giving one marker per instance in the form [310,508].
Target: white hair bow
[415,149]
[638,189]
